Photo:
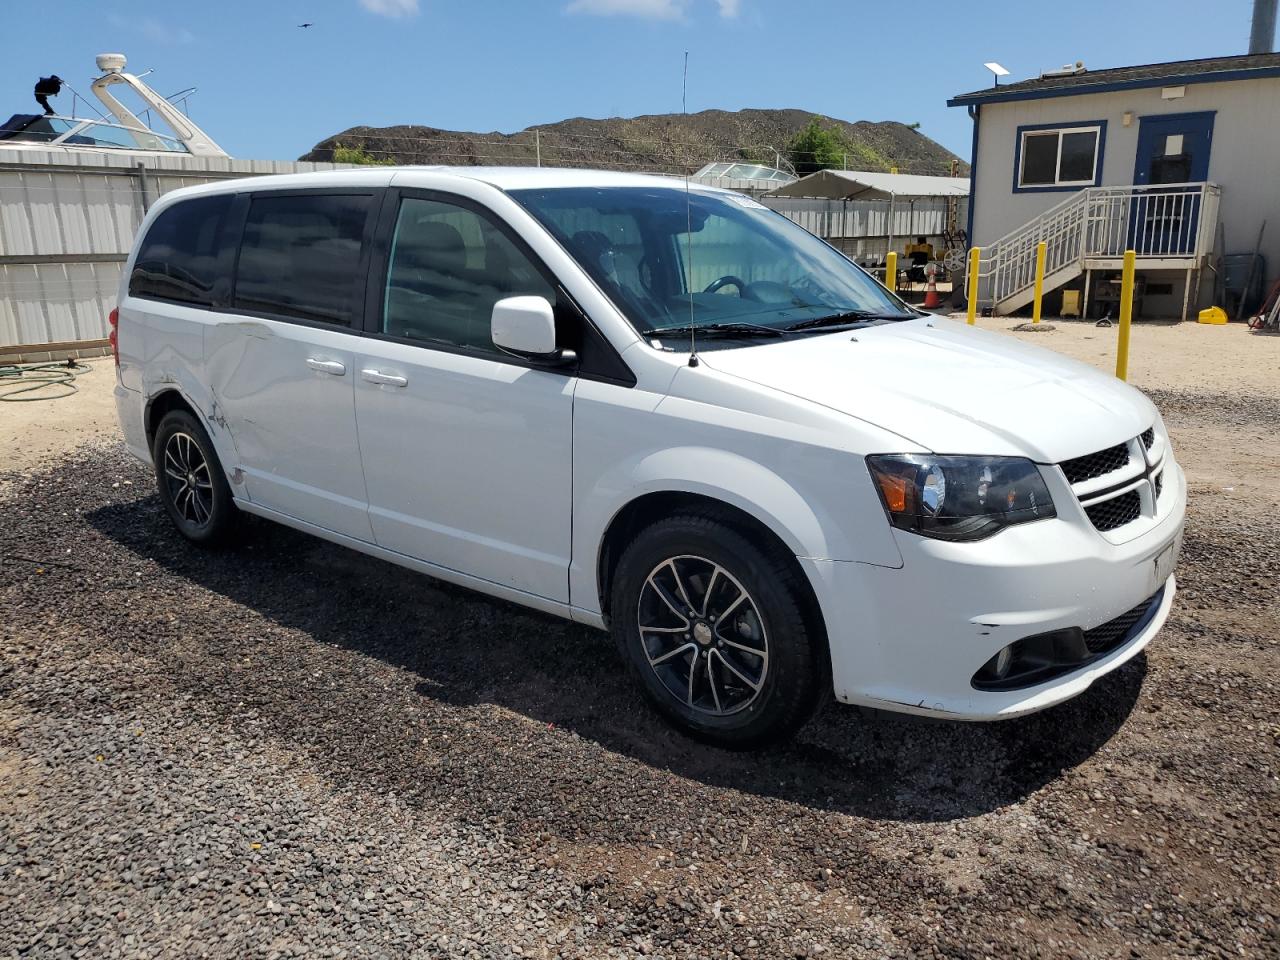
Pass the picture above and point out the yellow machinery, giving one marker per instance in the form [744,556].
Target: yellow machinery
[1070,303]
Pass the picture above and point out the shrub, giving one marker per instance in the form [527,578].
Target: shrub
[359,155]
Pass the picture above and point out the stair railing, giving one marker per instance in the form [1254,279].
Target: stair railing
[1165,221]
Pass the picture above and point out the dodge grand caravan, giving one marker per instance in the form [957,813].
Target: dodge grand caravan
[665,412]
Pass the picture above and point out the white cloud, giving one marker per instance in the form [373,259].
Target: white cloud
[152,29]
[646,9]
[395,9]
[159,32]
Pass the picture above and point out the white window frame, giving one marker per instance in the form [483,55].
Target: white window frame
[1059,132]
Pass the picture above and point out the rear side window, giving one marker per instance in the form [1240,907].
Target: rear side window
[301,257]
[180,256]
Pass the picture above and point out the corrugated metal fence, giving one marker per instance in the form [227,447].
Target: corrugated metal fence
[864,229]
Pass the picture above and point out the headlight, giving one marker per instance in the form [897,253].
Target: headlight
[959,498]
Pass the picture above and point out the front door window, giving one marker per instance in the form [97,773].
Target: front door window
[448,267]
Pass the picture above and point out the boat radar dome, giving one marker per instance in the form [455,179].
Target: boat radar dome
[111,62]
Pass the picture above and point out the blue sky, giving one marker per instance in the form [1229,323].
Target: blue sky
[268,89]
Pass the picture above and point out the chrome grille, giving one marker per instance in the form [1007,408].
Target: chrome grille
[1111,634]
[1115,512]
[1148,437]
[1096,464]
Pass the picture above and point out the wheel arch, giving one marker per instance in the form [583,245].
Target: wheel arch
[168,399]
[648,508]
[171,397]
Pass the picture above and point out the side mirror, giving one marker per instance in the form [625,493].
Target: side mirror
[526,327]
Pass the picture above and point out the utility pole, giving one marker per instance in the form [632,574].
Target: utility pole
[537,145]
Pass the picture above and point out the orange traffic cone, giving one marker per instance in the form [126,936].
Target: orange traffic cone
[931,298]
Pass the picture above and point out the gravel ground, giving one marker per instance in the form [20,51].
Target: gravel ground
[288,749]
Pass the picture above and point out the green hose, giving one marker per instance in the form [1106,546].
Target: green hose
[49,381]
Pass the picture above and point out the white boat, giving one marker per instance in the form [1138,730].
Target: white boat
[125,133]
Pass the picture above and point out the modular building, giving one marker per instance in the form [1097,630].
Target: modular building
[1179,162]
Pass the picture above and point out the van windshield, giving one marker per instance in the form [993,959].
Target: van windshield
[716,261]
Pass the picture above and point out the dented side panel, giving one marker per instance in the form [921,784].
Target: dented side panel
[284,391]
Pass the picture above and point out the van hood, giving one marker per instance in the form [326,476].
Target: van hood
[951,388]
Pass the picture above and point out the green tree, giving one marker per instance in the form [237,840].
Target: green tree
[817,147]
[360,156]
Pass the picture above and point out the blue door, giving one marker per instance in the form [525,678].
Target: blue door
[1172,149]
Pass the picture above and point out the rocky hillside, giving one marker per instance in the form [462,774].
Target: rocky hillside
[669,142]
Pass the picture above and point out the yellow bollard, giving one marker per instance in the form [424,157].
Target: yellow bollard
[1041,249]
[891,271]
[975,254]
[1126,315]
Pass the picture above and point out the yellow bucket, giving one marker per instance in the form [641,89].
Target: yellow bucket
[1213,315]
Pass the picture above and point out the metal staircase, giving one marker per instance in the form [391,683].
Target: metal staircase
[1169,226]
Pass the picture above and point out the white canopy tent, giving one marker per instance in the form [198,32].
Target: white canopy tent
[870,185]
[900,193]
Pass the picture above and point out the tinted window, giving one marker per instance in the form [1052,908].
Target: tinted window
[448,267]
[1040,158]
[1077,156]
[179,258]
[300,257]
[1053,157]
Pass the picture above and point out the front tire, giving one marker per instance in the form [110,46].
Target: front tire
[714,626]
[192,485]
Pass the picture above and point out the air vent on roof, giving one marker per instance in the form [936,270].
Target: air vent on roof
[1066,70]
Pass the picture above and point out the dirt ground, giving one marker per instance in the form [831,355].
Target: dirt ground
[43,430]
[288,749]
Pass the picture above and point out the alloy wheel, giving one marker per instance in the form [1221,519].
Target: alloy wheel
[703,636]
[187,478]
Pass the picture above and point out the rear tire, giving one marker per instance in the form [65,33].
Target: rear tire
[192,485]
[714,627]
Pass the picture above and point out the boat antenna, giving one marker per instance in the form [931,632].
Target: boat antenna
[688,216]
[77,95]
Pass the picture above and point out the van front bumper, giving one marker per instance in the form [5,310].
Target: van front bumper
[911,639]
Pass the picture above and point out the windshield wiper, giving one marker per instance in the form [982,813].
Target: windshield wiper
[736,329]
[846,317]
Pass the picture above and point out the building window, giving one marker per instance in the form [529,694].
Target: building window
[1061,157]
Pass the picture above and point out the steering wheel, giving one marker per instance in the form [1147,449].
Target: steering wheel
[727,280]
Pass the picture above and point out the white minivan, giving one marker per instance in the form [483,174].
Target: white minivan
[661,410]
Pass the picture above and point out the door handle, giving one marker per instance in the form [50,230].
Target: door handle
[333,367]
[386,379]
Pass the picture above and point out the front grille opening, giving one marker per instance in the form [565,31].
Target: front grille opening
[1114,632]
[1116,512]
[1159,483]
[1148,437]
[1096,464]
[1046,656]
